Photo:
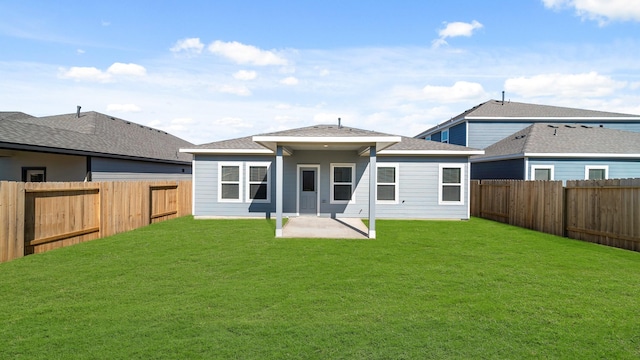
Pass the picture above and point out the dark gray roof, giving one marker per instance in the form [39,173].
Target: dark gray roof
[542,138]
[510,110]
[13,115]
[406,143]
[92,133]
[326,131]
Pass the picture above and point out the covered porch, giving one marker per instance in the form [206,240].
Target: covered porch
[361,144]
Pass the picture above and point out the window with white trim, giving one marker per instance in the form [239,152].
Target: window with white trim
[342,183]
[258,181]
[444,137]
[596,172]
[451,184]
[387,183]
[229,180]
[542,172]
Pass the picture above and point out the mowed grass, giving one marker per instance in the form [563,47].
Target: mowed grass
[228,289]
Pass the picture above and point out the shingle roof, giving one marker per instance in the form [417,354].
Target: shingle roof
[407,143]
[94,133]
[496,109]
[541,138]
[326,131]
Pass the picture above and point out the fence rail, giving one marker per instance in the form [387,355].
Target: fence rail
[37,217]
[601,211]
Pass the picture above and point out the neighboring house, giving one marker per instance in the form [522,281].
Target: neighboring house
[324,170]
[87,146]
[494,120]
[561,152]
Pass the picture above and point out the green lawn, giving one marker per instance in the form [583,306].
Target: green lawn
[228,289]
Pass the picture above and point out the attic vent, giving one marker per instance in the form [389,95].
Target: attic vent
[520,136]
[586,127]
[552,126]
[570,126]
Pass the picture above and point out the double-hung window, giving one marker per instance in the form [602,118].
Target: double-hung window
[229,181]
[596,172]
[451,184]
[342,183]
[542,172]
[258,184]
[387,183]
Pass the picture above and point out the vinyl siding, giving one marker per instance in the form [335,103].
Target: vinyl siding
[458,134]
[505,169]
[206,188]
[574,169]
[436,136]
[418,190]
[418,187]
[106,169]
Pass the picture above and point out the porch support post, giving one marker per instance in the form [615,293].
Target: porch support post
[372,192]
[279,190]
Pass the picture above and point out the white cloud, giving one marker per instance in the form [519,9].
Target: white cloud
[105,23]
[602,11]
[189,45]
[461,90]
[235,90]
[80,73]
[80,51]
[246,54]
[127,69]
[456,29]
[289,81]
[182,121]
[589,84]
[245,75]
[123,108]
[283,106]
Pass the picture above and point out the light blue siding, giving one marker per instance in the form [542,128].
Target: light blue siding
[574,169]
[436,136]
[206,188]
[105,169]
[506,169]
[418,187]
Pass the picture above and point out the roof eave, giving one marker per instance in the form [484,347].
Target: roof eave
[432,152]
[229,151]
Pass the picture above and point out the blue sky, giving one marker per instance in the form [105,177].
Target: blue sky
[214,70]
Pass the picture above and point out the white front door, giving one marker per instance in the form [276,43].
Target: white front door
[308,191]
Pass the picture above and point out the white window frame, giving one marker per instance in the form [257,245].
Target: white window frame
[396,183]
[596,167]
[352,183]
[463,181]
[442,139]
[545,167]
[239,182]
[248,166]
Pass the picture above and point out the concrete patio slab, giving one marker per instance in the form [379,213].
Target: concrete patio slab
[318,227]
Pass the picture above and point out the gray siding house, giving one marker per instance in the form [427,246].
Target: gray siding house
[326,170]
[561,152]
[492,121]
[87,146]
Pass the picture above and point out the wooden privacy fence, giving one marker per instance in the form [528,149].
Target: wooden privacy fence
[36,217]
[602,211]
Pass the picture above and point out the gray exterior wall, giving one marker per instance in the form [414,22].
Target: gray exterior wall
[58,167]
[574,169]
[417,187]
[505,169]
[106,169]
